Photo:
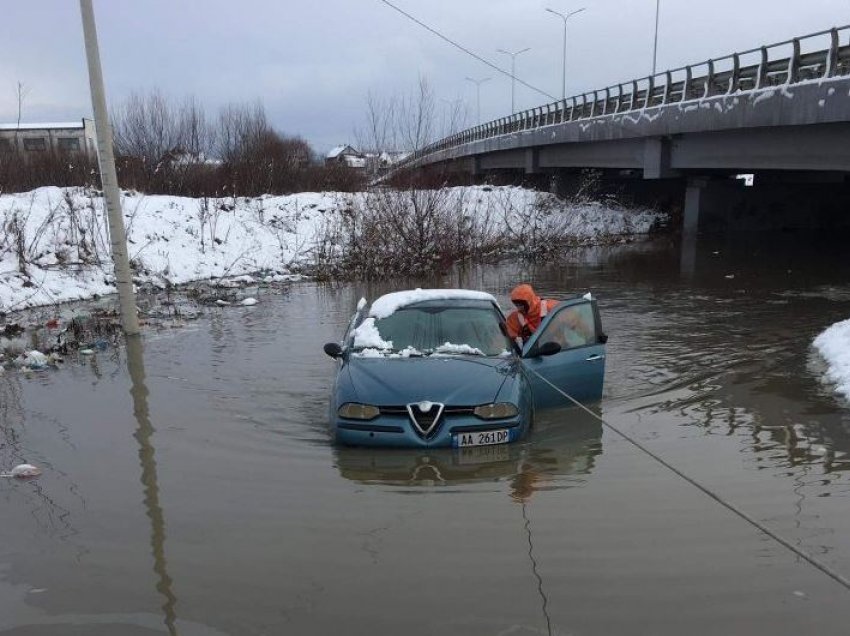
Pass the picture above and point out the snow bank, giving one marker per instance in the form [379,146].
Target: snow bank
[170,240]
[834,345]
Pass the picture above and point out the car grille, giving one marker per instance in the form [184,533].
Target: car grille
[426,424]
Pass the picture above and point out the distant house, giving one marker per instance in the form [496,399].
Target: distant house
[62,137]
[183,158]
[389,158]
[346,155]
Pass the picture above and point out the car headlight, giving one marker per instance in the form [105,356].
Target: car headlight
[354,411]
[499,411]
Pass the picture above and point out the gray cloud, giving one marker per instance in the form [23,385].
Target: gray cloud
[313,63]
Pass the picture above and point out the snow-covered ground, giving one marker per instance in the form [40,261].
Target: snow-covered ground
[54,244]
[834,345]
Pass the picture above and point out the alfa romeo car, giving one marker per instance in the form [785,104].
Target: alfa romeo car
[435,368]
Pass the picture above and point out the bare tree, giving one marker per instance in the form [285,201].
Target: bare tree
[454,117]
[21,92]
[146,127]
[378,133]
[196,136]
[241,128]
[415,121]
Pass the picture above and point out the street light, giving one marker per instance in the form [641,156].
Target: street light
[513,73]
[478,83]
[565,17]
[655,46]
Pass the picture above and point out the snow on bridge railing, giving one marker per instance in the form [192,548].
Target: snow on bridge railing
[818,55]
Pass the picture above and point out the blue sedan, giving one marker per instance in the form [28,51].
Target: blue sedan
[435,368]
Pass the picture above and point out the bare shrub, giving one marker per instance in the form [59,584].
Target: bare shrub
[401,232]
[20,174]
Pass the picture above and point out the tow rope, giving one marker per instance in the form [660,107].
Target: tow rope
[729,506]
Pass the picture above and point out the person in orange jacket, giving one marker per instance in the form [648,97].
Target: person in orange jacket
[529,313]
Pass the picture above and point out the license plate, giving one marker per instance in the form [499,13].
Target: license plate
[481,438]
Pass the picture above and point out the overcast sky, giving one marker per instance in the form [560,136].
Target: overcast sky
[313,62]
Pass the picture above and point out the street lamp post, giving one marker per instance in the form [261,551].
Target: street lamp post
[513,74]
[478,83]
[655,45]
[565,17]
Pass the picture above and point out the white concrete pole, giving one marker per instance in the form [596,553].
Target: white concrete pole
[655,43]
[108,176]
[478,83]
[513,74]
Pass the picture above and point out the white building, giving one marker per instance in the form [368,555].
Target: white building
[346,155]
[57,137]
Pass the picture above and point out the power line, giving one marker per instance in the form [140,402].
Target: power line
[466,50]
[823,567]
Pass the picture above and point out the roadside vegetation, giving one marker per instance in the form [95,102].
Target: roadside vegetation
[164,147]
[210,197]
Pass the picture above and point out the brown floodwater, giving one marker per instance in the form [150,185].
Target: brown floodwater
[190,486]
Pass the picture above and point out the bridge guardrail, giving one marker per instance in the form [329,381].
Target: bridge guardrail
[754,69]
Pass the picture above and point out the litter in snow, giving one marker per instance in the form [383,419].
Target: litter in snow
[22,471]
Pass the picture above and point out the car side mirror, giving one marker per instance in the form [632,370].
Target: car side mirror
[603,338]
[333,349]
[546,349]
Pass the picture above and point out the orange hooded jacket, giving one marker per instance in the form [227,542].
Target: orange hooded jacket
[535,314]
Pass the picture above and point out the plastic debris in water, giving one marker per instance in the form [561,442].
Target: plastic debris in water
[33,360]
[21,471]
[249,302]
[86,352]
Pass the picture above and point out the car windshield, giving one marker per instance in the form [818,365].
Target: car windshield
[438,330]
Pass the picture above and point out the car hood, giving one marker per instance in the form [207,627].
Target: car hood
[453,381]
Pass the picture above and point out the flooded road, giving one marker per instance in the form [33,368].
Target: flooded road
[190,487]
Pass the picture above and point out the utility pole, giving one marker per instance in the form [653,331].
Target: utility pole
[565,17]
[513,74]
[478,83]
[108,176]
[655,45]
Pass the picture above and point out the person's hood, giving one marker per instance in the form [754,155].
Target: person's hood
[525,293]
[453,381]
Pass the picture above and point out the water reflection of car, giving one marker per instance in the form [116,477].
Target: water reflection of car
[560,451]
[435,368]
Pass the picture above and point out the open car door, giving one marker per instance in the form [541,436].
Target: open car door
[569,351]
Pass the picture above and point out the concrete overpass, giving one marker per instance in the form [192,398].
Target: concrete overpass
[780,111]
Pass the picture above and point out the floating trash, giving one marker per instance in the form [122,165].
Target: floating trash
[249,302]
[22,471]
[87,352]
[32,360]
[12,330]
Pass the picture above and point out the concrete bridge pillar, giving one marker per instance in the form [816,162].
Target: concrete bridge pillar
[694,200]
[532,161]
[656,159]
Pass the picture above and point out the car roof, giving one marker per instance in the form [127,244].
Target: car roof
[388,304]
[460,303]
